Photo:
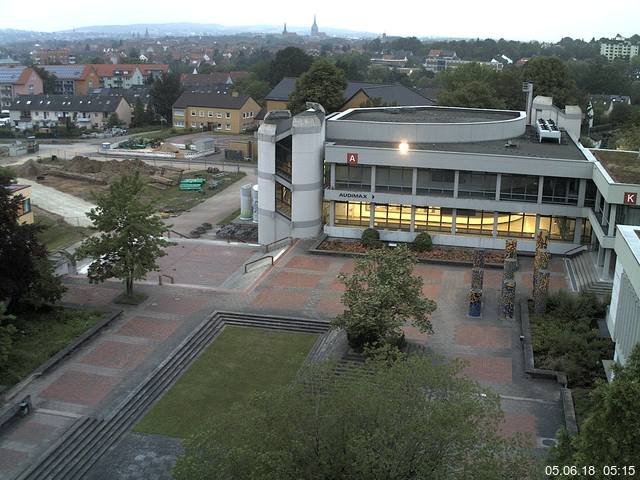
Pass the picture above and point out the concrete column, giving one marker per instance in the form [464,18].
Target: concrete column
[582,192]
[412,228]
[578,233]
[600,259]
[540,188]
[612,219]
[494,233]
[332,213]
[606,264]
[537,224]
[453,212]
[332,180]
[373,178]
[372,210]
[414,187]
[498,186]
[456,182]
[596,208]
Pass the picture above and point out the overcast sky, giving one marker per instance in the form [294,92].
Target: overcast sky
[512,19]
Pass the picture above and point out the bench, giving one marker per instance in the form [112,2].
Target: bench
[20,409]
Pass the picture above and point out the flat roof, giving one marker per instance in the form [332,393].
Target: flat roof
[624,167]
[427,114]
[523,146]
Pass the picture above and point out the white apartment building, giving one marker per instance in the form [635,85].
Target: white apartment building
[619,47]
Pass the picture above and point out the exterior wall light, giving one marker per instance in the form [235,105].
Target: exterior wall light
[403,147]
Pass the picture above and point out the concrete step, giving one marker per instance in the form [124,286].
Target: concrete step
[586,275]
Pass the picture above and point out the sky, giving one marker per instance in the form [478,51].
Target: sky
[546,20]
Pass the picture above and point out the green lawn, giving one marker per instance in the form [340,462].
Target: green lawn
[239,362]
[58,234]
[173,199]
[41,335]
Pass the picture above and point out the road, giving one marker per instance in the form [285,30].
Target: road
[72,209]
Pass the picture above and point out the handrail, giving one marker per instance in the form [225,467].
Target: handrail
[165,275]
[268,246]
[573,251]
[257,260]
[177,233]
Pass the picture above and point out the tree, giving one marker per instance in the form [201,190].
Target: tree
[323,83]
[380,296]
[48,80]
[417,418]
[550,77]
[139,115]
[6,333]
[26,276]
[164,93]
[114,120]
[469,85]
[130,239]
[289,62]
[610,434]
[355,65]
[256,89]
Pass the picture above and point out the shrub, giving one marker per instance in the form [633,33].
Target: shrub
[371,238]
[423,242]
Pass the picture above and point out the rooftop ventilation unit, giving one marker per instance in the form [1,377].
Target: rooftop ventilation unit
[547,129]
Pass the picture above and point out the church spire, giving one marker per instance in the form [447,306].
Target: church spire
[314,27]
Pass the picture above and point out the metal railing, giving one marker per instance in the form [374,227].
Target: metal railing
[169,232]
[578,249]
[171,280]
[272,246]
[257,260]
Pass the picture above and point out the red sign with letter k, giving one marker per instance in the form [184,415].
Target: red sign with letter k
[630,198]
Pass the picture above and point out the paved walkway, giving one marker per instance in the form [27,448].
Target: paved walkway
[95,379]
[71,208]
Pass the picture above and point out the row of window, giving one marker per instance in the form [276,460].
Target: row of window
[217,126]
[522,188]
[437,219]
[210,114]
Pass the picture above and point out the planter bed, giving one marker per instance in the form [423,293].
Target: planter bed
[439,254]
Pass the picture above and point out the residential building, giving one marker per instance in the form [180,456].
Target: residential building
[128,75]
[623,318]
[25,214]
[469,177]
[89,111]
[73,79]
[195,82]
[619,47]
[44,56]
[440,60]
[230,113]
[356,94]
[607,102]
[16,81]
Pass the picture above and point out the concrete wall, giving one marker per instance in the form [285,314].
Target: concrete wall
[267,231]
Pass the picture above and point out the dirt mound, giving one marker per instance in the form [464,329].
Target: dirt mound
[80,164]
[29,169]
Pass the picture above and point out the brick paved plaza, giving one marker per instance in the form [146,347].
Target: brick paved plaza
[94,379]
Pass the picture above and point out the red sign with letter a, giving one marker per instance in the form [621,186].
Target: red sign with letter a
[630,198]
[352,159]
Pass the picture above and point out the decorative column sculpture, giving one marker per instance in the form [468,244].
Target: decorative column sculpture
[540,272]
[541,292]
[540,262]
[478,258]
[508,298]
[477,280]
[508,293]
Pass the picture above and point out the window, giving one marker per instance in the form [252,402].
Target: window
[560,228]
[520,225]
[352,214]
[392,217]
[283,200]
[24,207]
[394,179]
[477,185]
[353,178]
[283,158]
[202,113]
[218,115]
[218,126]
[179,123]
[477,222]
[435,182]
[193,113]
[522,188]
[560,190]
[228,115]
[193,124]
[433,219]
[227,126]
[587,230]
[590,194]
[210,114]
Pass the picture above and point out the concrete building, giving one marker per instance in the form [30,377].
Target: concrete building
[469,177]
[73,79]
[623,319]
[231,113]
[25,214]
[619,47]
[18,80]
[89,111]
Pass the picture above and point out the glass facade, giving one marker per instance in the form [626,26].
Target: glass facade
[394,179]
[560,190]
[433,219]
[283,158]
[560,228]
[353,178]
[522,188]
[627,215]
[392,217]
[520,225]
[590,194]
[435,182]
[354,214]
[476,222]
[283,200]
[477,185]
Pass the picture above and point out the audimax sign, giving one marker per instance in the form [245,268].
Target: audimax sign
[355,196]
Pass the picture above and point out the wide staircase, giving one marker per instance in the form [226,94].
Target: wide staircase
[584,275]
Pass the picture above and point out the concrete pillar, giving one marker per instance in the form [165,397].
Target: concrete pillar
[412,228]
[332,213]
[596,207]
[540,188]
[498,186]
[372,211]
[414,184]
[332,179]
[453,213]
[373,178]
[494,233]
[600,259]
[577,235]
[582,191]
[456,182]
[606,266]
[612,219]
